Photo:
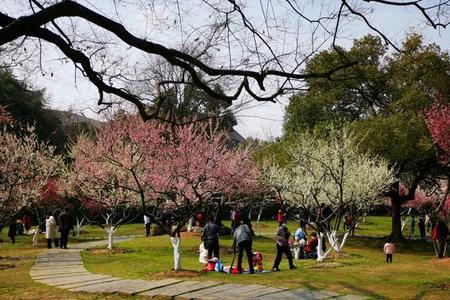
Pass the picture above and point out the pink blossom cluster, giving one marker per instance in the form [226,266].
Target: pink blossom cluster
[136,163]
[437,119]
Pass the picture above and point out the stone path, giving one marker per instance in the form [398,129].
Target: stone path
[64,269]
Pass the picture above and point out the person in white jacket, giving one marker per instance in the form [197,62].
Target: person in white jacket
[50,231]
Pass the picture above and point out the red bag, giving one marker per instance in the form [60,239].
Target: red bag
[210,266]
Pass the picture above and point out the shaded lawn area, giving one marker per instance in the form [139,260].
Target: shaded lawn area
[15,282]
[374,226]
[91,231]
[362,270]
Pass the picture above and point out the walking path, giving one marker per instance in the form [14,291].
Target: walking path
[64,269]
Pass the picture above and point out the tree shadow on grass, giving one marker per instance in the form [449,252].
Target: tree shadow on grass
[418,247]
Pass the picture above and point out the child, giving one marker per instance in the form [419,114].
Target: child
[389,249]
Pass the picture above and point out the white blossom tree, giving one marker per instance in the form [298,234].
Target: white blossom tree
[326,178]
[26,164]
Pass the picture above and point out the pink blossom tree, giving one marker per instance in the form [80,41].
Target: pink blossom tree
[176,170]
[197,169]
[437,118]
[427,202]
[99,185]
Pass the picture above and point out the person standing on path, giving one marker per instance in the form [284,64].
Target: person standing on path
[65,221]
[389,249]
[210,238]
[147,225]
[50,231]
[282,240]
[12,231]
[242,238]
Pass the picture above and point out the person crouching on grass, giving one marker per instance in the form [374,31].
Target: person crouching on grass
[389,249]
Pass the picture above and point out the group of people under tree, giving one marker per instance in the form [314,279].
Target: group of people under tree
[243,241]
[18,226]
[435,226]
[63,224]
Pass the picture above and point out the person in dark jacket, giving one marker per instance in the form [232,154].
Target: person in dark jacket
[282,240]
[210,238]
[65,221]
[421,225]
[12,232]
[242,238]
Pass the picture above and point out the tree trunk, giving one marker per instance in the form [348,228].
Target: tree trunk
[396,231]
[110,232]
[321,256]
[79,226]
[176,253]
[257,222]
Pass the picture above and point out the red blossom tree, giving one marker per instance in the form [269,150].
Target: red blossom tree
[437,118]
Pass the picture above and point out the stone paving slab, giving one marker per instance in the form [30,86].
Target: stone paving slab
[350,297]
[85,283]
[261,292]
[208,291]
[305,294]
[179,288]
[36,277]
[50,271]
[57,264]
[236,292]
[74,256]
[72,279]
[56,260]
[60,267]
[126,286]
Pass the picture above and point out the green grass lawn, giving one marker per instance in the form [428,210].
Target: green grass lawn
[415,273]
[91,231]
[361,269]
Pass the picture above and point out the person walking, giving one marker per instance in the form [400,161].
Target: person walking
[12,231]
[210,238]
[282,240]
[50,231]
[421,225]
[389,249]
[65,221]
[147,225]
[242,238]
